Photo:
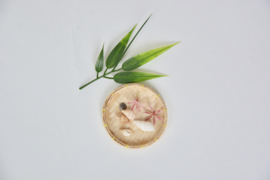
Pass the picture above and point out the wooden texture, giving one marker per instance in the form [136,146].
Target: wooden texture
[113,124]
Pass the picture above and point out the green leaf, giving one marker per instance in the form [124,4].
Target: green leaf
[136,34]
[116,54]
[132,40]
[145,57]
[134,77]
[99,63]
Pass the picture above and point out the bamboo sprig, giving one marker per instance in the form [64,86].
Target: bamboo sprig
[116,56]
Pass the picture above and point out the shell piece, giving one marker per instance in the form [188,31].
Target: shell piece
[124,119]
[144,125]
[129,114]
[126,132]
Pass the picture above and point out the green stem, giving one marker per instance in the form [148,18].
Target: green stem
[108,77]
[97,74]
[104,75]
[117,70]
[89,82]
[105,71]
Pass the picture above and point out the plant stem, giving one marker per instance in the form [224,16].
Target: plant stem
[108,77]
[89,83]
[97,74]
[105,71]
[104,75]
[117,70]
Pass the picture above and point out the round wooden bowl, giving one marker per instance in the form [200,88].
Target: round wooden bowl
[111,113]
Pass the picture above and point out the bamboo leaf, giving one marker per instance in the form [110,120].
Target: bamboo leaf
[136,35]
[100,60]
[145,57]
[116,54]
[132,40]
[134,77]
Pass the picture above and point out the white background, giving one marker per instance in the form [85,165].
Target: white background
[217,94]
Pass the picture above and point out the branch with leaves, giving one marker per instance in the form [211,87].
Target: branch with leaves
[117,54]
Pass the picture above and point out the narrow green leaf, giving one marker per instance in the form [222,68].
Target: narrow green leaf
[136,34]
[116,54]
[134,77]
[132,40]
[99,63]
[143,58]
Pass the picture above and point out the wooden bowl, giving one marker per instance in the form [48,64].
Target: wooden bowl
[111,113]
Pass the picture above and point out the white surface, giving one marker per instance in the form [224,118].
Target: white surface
[217,92]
